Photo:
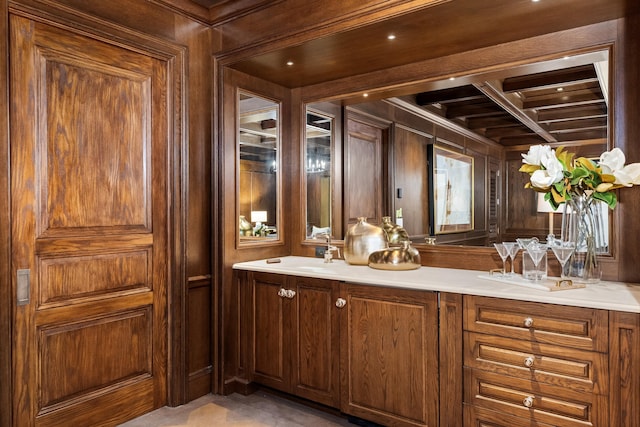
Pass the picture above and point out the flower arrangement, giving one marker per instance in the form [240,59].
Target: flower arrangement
[561,177]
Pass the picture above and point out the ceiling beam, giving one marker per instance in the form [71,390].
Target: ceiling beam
[510,103]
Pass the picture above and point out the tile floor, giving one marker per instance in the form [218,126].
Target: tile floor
[259,409]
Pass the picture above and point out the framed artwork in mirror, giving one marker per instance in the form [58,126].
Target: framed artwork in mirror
[451,191]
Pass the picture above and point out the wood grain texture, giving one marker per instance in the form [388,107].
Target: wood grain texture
[551,404]
[624,347]
[411,177]
[6,271]
[574,327]
[576,369]
[362,176]
[451,360]
[316,340]
[390,355]
[91,188]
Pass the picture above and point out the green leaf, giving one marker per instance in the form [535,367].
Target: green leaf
[609,198]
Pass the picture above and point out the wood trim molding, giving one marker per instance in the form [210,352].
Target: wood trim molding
[7,295]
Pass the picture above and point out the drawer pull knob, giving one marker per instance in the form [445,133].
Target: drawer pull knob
[528,362]
[282,293]
[528,322]
[528,401]
[290,293]
[341,302]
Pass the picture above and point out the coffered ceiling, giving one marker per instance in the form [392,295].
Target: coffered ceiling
[555,101]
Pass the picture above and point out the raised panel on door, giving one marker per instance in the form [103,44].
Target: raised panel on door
[270,331]
[89,158]
[390,355]
[316,340]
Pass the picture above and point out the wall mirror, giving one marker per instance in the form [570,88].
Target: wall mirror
[318,166]
[492,118]
[258,147]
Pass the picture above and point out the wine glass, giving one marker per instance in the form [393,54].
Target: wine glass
[503,252]
[562,251]
[512,250]
[536,251]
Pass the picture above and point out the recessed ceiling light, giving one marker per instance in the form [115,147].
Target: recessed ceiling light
[365,94]
[560,89]
[452,78]
[289,63]
[535,1]
[391,37]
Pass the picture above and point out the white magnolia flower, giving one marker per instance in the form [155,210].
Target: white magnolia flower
[535,154]
[612,161]
[551,173]
[628,175]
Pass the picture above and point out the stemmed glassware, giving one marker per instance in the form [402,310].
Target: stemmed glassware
[536,251]
[512,251]
[562,251]
[504,253]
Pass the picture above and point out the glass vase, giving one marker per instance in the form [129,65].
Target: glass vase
[582,223]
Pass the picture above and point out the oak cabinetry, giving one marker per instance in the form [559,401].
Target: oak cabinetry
[624,365]
[390,355]
[540,363]
[293,335]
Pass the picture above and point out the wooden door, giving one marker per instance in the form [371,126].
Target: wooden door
[411,179]
[364,183]
[89,228]
[390,355]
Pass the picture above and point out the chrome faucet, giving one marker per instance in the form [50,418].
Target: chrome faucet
[328,253]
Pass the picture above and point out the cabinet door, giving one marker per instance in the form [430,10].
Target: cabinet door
[269,331]
[315,349]
[390,355]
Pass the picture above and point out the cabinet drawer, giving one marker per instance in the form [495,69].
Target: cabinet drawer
[579,370]
[480,417]
[538,402]
[573,327]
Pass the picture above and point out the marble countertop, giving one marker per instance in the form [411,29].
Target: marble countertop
[604,295]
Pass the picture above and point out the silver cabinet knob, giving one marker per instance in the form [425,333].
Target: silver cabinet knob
[528,401]
[341,302]
[528,362]
[282,293]
[290,293]
[528,322]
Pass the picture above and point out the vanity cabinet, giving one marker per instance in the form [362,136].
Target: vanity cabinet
[389,355]
[527,363]
[293,335]
[408,357]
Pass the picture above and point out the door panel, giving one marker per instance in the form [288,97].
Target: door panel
[89,158]
[363,183]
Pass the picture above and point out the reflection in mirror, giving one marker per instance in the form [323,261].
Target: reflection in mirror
[493,118]
[319,136]
[258,148]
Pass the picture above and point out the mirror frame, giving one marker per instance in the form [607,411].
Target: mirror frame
[260,241]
